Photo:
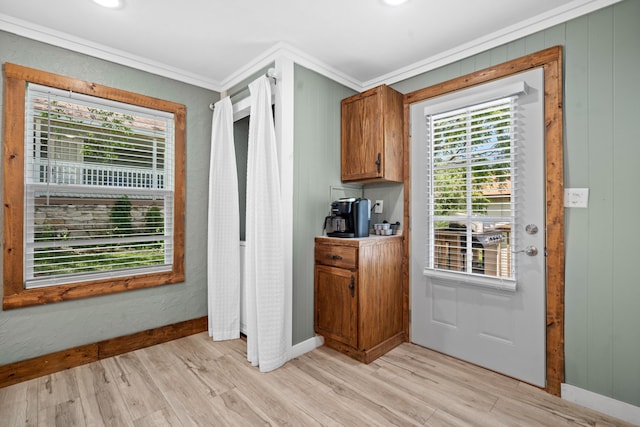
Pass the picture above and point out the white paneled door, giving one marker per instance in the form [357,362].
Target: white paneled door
[482,303]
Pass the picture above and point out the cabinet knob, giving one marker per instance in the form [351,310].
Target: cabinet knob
[379,162]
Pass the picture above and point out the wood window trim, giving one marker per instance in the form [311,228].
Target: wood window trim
[16,78]
[551,61]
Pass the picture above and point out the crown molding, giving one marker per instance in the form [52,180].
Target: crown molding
[514,32]
[282,49]
[76,44]
[509,34]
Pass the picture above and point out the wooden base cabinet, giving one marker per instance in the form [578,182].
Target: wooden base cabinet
[358,294]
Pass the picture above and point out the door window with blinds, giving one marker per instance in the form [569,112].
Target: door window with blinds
[473,188]
[101,201]
[98,188]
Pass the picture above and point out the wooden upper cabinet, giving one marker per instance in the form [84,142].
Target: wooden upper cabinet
[372,126]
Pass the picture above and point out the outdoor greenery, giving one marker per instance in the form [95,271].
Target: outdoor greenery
[104,257]
[121,216]
[154,223]
[100,144]
[471,153]
[85,259]
[115,131]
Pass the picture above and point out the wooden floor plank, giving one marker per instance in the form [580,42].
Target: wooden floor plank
[57,388]
[324,403]
[537,406]
[445,418]
[13,404]
[357,398]
[102,401]
[347,405]
[237,411]
[194,381]
[260,392]
[196,357]
[192,400]
[159,418]
[139,391]
[449,396]
[440,367]
[315,399]
[379,392]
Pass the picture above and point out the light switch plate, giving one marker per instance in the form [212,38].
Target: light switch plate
[576,197]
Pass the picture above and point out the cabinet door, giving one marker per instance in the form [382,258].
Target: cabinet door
[380,297]
[362,133]
[336,297]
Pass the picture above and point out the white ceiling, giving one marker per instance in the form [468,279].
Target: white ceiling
[210,42]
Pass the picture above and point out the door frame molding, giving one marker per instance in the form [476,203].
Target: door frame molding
[551,61]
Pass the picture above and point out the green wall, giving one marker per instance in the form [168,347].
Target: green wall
[316,169]
[602,150]
[241,144]
[33,331]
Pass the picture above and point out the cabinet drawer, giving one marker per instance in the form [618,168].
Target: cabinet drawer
[337,256]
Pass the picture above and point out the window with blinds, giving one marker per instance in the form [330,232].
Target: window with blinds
[472,188]
[99,188]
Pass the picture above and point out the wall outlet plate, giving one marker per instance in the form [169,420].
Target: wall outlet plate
[377,206]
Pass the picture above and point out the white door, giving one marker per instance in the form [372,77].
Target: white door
[487,308]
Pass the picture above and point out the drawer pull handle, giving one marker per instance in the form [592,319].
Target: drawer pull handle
[334,257]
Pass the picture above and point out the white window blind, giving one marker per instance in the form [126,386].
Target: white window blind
[473,188]
[99,184]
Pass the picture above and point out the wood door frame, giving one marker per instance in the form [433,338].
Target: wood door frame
[551,61]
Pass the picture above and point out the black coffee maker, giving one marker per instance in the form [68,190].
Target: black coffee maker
[349,218]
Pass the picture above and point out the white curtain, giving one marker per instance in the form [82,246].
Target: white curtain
[267,346]
[223,240]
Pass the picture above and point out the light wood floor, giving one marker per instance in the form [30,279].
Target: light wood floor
[196,382]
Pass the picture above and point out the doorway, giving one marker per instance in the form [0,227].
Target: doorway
[478,154]
[550,60]
[241,117]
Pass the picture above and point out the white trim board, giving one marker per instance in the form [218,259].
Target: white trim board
[600,403]
[514,32]
[306,346]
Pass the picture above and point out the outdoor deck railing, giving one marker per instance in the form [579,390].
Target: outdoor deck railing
[66,172]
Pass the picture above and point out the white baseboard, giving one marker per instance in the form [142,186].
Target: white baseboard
[306,346]
[600,403]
